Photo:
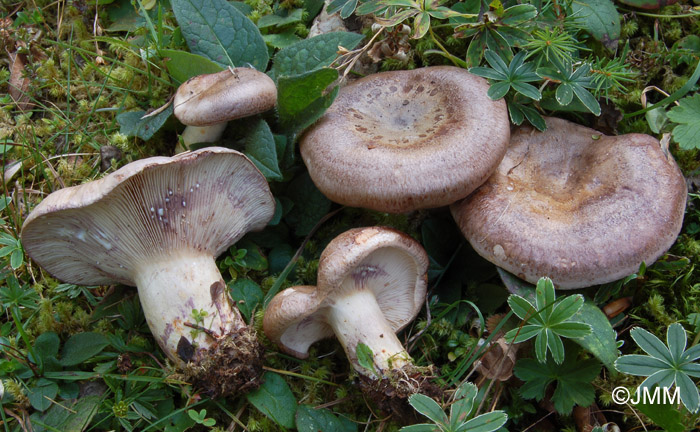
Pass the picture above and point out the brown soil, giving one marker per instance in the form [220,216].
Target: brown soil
[391,393]
[231,366]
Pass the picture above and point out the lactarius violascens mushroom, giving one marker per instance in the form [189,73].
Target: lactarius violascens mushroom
[158,224]
[371,284]
[406,140]
[576,205]
[206,103]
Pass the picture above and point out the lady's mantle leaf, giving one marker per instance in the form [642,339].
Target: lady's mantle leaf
[687,115]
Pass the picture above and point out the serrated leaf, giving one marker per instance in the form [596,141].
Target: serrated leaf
[261,149]
[274,399]
[309,419]
[428,407]
[687,115]
[81,347]
[302,99]
[556,346]
[183,65]
[314,53]
[599,18]
[217,30]
[463,404]
[134,124]
[523,333]
[689,392]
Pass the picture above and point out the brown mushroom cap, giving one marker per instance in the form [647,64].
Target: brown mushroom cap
[391,264]
[575,205]
[205,100]
[405,140]
[98,233]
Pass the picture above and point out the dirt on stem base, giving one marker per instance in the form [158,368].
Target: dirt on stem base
[390,394]
[232,365]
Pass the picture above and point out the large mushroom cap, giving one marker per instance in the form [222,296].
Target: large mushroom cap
[406,140]
[205,100]
[575,205]
[389,263]
[99,233]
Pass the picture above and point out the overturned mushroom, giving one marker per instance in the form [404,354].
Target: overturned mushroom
[158,223]
[206,103]
[371,284]
[407,140]
[575,205]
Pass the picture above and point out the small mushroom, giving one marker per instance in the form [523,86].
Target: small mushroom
[206,103]
[578,206]
[158,223]
[371,284]
[406,140]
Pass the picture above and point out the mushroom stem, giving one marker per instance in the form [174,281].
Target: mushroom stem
[200,134]
[185,296]
[356,318]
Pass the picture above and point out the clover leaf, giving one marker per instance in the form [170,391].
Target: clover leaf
[573,379]
[547,320]
[665,365]
[687,115]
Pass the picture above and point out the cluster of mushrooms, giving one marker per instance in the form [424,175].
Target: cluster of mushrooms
[568,203]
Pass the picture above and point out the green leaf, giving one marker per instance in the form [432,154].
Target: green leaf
[310,205]
[309,419]
[314,53]
[247,295]
[365,357]
[183,65]
[498,90]
[428,407]
[566,308]
[587,99]
[261,149]
[488,422]
[572,379]
[564,94]
[253,259]
[134,123]
[522,308]
[463,404]
[46,346]
[676,340]
[544,298]
[281,40]
[600,341]
[521,334]
[541,346]
[527,90]
[687,115]
[689,392]
[302,99]
[600,19]
[274,399]
[81,347]
[556,346]
[639,365]
[666,416]
[42,393]
[271,20]
[517,14]
[651,345]
[421,24]
[571,329]
[217,30]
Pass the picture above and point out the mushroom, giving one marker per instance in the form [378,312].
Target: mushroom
[206,103]
[371,284]
[575,205]
[406,140]
[158,224]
